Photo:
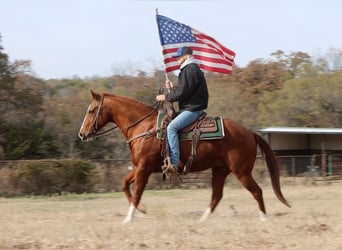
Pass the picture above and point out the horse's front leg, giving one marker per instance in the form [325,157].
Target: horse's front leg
[140,180]
[126,183]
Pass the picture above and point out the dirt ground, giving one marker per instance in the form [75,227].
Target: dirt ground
[94,221]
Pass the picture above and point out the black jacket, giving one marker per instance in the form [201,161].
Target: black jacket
[192,92]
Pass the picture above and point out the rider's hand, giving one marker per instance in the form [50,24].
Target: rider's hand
[160,98]
[168,84]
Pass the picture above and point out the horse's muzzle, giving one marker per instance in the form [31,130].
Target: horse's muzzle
[82,136]
[85,137]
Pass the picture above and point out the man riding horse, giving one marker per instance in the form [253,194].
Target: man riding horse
[192,96]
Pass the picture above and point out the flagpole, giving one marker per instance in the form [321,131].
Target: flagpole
[166,75]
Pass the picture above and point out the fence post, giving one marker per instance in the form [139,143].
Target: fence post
[323,160]
[330,165]
[293,166]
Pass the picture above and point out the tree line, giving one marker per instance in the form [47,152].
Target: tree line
[40,118]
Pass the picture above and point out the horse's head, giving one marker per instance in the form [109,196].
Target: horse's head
[93,119]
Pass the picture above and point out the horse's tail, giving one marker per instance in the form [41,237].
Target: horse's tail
[272,166]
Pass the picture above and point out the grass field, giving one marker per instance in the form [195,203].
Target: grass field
[92,221]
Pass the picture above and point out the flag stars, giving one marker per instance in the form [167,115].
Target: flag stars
[211,55]
[172,32]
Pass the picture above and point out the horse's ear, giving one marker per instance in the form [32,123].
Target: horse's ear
[96,96]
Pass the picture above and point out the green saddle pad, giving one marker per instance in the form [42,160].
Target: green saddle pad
[188,136]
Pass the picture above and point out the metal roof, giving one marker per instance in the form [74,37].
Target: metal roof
[301,130]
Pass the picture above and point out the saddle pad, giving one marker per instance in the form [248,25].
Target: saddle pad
[188,135]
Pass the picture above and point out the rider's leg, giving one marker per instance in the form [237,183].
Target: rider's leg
[181,121]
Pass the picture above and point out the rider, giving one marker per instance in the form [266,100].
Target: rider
[192,96]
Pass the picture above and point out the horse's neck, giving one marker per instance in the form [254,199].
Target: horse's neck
[126,112]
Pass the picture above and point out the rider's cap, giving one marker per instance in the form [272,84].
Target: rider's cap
[183,51]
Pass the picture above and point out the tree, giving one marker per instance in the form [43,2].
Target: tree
[7,79]
[292,63]
[333,59]
[311,101]
[260,75]
[21,121]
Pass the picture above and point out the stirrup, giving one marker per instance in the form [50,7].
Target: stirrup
[170,170]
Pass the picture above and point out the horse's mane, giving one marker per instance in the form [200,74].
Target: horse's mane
[132,101]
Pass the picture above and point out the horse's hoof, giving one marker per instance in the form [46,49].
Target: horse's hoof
[262,216]
[142,208]
[126,221]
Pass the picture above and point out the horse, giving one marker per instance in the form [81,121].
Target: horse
[234,153]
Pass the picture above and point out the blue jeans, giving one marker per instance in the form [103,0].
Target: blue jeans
[181,121]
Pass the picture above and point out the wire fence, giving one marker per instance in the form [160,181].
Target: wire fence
[312,165]
[107,175]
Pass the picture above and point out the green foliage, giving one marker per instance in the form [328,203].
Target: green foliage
[27,142]
[7,72]
[312,101]
[46,177]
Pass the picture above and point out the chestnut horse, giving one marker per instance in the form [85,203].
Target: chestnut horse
[235,153]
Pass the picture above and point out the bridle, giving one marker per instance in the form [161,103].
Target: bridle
[94,126]
[99,111]
[94,134]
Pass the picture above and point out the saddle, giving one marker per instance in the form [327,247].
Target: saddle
[204,128]
[205,123]
[209,127]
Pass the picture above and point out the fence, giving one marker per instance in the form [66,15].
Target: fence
[312,165]
[107,175]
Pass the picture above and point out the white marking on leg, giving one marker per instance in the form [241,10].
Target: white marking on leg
[130,214]
[262,216]
[206,214]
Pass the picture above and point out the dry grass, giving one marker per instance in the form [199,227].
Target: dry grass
[94,221]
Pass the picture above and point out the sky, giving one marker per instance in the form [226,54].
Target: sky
[90,38]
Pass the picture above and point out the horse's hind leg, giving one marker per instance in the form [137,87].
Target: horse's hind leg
[219,175]
[250,184]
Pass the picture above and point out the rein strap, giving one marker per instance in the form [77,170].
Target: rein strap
[150,132]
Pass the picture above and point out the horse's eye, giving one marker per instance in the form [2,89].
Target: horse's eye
[91,111]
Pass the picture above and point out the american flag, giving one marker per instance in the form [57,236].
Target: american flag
[209,53]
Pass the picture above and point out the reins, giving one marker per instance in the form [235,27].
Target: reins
[105,132]
[156,106]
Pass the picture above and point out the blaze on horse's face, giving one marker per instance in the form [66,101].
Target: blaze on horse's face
[91,122]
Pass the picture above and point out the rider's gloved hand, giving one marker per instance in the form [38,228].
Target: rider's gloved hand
[168,84]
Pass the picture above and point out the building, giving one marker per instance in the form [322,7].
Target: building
[306,150]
